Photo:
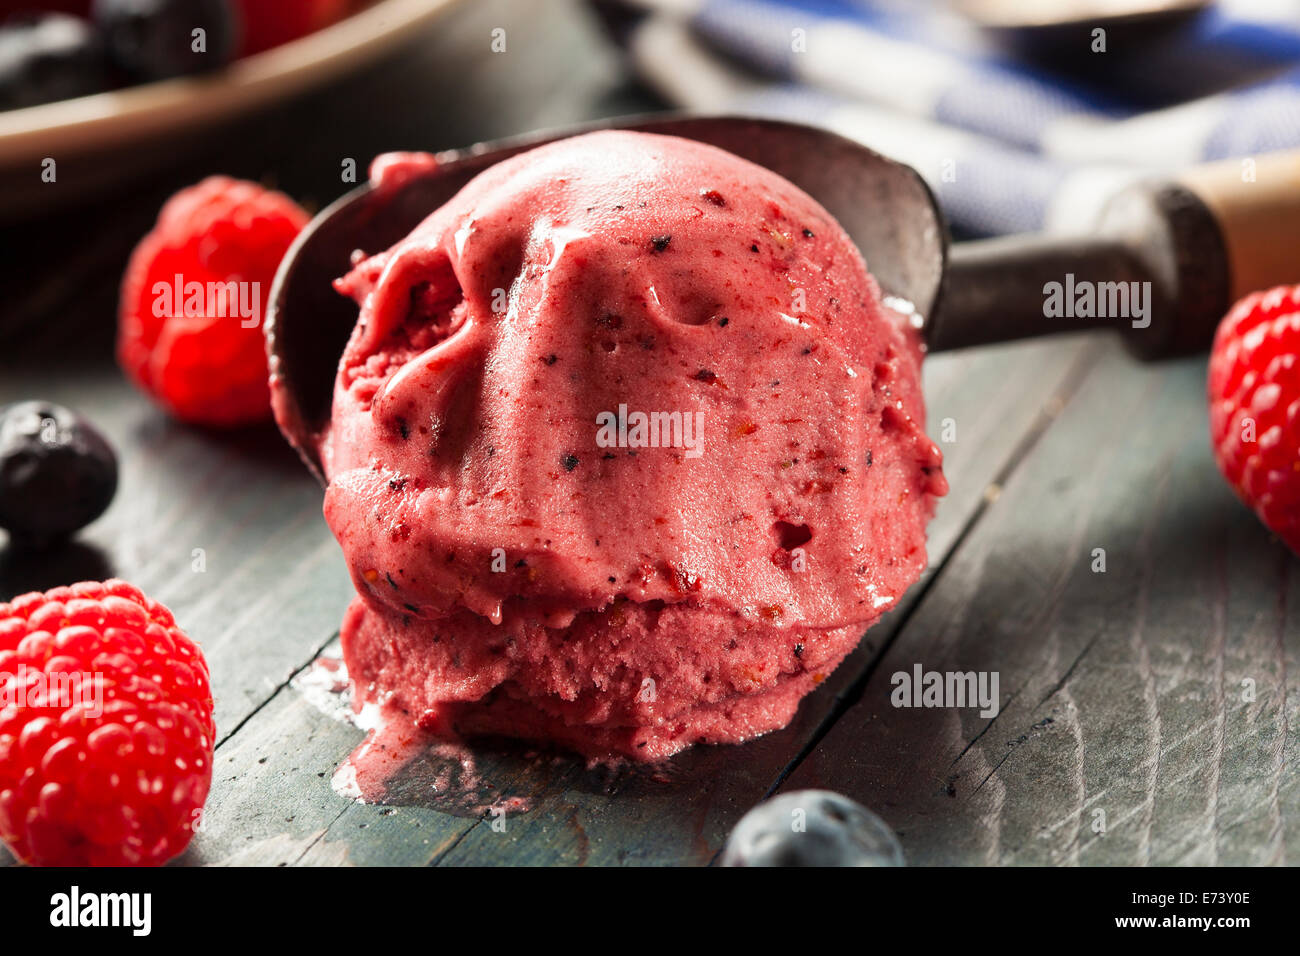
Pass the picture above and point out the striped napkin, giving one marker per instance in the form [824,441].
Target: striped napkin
[1009,141]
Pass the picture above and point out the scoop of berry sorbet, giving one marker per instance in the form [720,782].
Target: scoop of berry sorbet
[626,451]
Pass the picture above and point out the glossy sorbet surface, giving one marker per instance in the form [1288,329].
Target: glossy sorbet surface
[626,452]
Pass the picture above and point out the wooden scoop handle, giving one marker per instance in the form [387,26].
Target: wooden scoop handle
[1256,202]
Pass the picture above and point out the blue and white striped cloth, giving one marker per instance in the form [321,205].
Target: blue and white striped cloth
[1008,146]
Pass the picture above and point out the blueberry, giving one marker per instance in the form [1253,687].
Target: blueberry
[57,473]
[811,828]
[48,57]
[155,39]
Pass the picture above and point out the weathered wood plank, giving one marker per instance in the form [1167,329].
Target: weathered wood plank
[1122,692]
[580,816]
[272,804]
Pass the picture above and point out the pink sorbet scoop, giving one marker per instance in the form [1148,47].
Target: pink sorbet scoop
[626,451]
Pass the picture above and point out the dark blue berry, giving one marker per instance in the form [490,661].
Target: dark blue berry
[57,473]
[48,57]
[811,828]
[155,39]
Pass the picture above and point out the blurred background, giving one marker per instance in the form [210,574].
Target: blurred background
[1021,115]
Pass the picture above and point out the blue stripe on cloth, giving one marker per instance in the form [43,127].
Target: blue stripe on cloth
[1217,35]
[1209,54]
[1259,119]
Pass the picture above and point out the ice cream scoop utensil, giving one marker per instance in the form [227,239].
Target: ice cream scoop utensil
[1162,265]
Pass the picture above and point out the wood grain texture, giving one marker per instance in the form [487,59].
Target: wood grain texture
[272,793]
[1123,692]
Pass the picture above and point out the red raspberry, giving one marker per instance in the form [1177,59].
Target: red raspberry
[268,24]
[1254,390]
[106,729]
[206,369]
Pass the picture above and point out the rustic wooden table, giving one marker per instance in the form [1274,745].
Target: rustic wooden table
[1147,710]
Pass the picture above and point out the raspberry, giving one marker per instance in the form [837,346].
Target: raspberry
[1254,391]
[199,355]
[106,730]
[269,24]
